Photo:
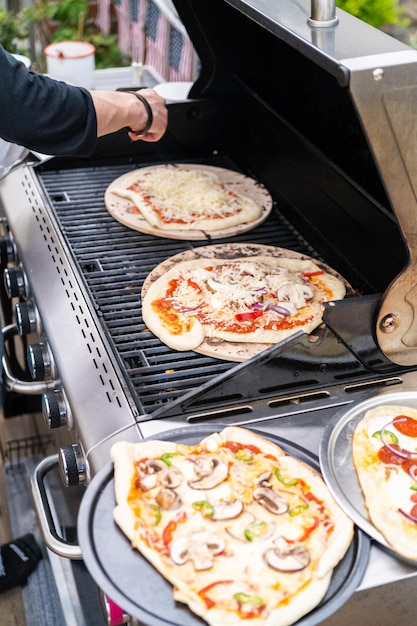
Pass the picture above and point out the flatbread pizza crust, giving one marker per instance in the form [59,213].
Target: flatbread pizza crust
[387,486]
[185,192]
[221,338]
[238,584]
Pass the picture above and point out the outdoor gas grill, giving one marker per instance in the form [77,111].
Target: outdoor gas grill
[321,109]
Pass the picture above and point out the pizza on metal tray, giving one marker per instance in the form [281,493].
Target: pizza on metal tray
[218,300]
[243,532]
[384,450]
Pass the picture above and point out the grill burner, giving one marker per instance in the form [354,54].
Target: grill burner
[115,261]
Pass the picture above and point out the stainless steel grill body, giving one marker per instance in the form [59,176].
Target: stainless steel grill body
[310,112]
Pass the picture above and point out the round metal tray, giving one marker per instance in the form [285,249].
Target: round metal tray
[133,583]
[337,466]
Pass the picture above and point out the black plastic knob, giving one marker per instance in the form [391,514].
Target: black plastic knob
[54,409]
[27,319]
[7,251]
[72,465]
[15,283]
[39,361]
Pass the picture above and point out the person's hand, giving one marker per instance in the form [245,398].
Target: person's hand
[140,117]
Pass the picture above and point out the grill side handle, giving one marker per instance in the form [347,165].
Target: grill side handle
[43,511]
[13,383]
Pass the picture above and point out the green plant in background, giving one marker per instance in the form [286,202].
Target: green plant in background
[378,13]
[68,20]
[14,31]
[50,21]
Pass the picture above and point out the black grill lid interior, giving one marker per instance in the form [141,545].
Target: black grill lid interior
[259,56]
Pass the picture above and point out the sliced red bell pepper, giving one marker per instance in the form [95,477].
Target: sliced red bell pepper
[315,273]
[248,317]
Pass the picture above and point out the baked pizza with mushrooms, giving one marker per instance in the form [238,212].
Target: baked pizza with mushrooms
[240,529]
[384,450]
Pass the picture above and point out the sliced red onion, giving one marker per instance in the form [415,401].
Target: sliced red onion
[257,306]
[278,309]
[401,452]
[408,516]
[190,309]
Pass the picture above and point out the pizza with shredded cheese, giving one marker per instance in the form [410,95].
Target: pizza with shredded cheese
[244,532]
[254,299]
[183,198]
[384,450]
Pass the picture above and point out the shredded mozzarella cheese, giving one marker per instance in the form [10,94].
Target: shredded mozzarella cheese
[185,195]
[232,288]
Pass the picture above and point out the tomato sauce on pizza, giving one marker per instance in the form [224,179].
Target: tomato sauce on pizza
[251,299]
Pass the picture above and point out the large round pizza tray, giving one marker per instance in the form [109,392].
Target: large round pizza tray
[337,466]
[227,350]
[123,210]
[130,581]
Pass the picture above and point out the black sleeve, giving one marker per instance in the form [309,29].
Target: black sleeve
[42,114]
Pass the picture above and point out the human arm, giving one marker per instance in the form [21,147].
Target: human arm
[54,118]
[116,110]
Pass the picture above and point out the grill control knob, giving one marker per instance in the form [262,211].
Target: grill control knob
[15,283]
[27,318]
[40,362]
[55,409]
[72,465]
[8,253]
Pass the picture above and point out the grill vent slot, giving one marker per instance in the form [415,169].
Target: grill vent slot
[79,308]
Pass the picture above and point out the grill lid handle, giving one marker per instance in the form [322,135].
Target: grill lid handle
[13,383]
[323,14]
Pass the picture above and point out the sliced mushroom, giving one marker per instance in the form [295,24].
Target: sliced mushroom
[271,500]
[200,547]
[227,510]
[150,479]
[203,467]
[172,478]
[153,465]
[168,499]
[287,559]
[218,474]
[296,293]
[263,479]
[178,550]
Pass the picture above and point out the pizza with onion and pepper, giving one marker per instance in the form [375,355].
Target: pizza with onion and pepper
[384,449]
[243,531]
[253,299]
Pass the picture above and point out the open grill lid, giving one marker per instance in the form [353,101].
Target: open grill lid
[347,87]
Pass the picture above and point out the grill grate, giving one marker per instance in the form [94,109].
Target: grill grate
[115,261]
